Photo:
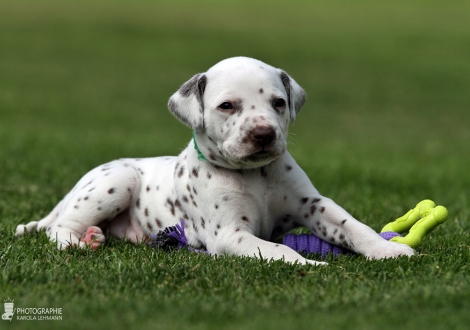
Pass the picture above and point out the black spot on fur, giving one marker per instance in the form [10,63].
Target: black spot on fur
[304,200]
[86,198]
[316,200]
[216,206]
[172,206]
[146,212]
[158,222]
[111,191]
[149,226]
[89,183]
[215,233]
[209,175]
[240,240]
[148,188]
[261,91]
[185,199]
[75,207]
[313,209]
[322,210]
[178,205]
[288,167]
[195,171]
[244,218]
[181,172]
[137,203]
[343,222]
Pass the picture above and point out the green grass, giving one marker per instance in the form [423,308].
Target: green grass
[386,125]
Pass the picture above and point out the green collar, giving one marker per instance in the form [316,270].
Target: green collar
[200,156]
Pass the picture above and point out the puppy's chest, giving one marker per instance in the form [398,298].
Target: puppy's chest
[206,188]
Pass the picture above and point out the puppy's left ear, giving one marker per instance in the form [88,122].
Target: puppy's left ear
[295,94]
[187,104]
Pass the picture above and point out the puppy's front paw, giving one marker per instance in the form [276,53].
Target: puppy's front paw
[388,249]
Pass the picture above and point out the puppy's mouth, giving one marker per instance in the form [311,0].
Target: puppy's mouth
[260,156]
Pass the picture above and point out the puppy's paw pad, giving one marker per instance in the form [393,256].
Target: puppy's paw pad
[93,237]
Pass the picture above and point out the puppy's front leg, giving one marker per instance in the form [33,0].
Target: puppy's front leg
[332,223]
[244,243]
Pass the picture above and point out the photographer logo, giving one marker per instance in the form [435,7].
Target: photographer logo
[9,309]
[29,313]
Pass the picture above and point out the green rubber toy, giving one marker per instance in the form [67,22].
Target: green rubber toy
[419,222]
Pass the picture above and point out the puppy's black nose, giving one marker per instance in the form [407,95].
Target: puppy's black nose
[262,135]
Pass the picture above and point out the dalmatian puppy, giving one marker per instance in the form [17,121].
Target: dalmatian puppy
[235,185]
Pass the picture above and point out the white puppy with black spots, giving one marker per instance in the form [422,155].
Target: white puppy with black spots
[237,191]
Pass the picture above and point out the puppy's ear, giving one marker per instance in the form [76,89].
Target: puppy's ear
[187,104]
[295,94]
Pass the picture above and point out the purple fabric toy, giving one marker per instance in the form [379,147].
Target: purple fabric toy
[309,243]
[174,238]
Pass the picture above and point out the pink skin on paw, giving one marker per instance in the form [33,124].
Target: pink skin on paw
[93,237]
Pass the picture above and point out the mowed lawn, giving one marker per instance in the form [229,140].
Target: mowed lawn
[386,124]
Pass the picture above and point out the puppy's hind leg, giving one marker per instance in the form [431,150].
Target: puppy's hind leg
[100,195]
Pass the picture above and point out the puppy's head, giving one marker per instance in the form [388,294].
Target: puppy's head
[240,110]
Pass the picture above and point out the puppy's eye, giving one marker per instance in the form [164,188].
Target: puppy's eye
[279,103]
[226,106]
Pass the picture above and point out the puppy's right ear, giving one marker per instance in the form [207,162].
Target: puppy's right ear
[187,104]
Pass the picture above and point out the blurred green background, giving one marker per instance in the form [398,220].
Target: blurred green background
[386,123]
